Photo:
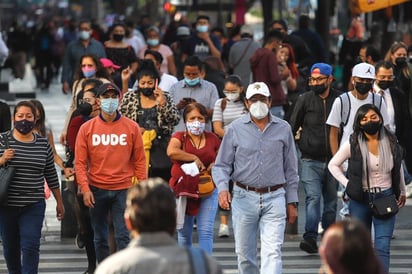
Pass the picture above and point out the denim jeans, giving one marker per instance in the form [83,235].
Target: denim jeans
[277,111]
[253,213]
[205,220]
[383,228]
[318,183]
[106,200]
[20,229]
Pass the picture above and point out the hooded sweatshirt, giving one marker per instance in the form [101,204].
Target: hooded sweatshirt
[265,69]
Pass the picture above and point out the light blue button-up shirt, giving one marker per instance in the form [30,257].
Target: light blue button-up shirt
[258,158]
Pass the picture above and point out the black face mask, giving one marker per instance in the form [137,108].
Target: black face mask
[146,91]
[85,109]
[385,84]
[371,127]
[24,126]
[401,62]
[318,89]
[118,37]
[363,88]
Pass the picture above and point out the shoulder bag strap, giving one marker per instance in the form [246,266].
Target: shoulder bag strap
[243,54]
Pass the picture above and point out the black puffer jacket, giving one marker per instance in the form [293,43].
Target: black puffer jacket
[354,189]
[310,113]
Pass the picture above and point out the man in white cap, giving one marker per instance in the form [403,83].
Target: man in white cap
[240,54]
[258,154]
[344,108]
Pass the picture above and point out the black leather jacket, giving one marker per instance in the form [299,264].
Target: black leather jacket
[310,113]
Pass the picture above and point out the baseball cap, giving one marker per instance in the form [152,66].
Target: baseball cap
[107,63]
[183,30]
[246,29]
[321,68]
[364,70]
[106,87]
[257,88]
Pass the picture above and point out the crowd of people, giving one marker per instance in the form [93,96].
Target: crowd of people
[259,120]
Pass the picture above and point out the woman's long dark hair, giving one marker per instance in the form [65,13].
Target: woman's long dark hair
[385,152]
[40,125]
[101,72]
[147,68]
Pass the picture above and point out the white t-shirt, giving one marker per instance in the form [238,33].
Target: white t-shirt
[166,81]
[334,118]
[232,111]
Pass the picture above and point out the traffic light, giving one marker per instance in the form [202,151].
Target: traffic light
[169,8]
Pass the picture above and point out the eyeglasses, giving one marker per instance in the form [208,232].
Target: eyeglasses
[254,100]
[317,80]
[86,100]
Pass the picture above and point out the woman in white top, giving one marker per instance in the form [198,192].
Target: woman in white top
[374,171]
[226,110]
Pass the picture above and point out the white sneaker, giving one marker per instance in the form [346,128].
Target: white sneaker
[223,231]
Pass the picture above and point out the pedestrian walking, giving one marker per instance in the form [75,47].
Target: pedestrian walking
[258,153]
[109,158]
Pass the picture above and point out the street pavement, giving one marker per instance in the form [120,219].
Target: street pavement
[60,255]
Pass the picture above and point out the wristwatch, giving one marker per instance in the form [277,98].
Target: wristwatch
[295,204]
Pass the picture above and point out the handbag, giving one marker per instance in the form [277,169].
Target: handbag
[206,185]
[6,175]
[158,154]
[382,207]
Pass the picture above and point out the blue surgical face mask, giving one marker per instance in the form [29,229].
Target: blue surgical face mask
[202,28]
[152,42]
[88,73]
[109,105]
[192,82]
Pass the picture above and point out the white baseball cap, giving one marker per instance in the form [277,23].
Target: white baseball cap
[364,70]
[257,88]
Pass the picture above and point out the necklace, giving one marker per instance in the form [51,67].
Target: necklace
[193,142]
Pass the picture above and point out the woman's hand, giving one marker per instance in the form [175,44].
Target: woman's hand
[8,154]
[401,201]
[199,164]
[126,74]
[159,96]
[60,211]
[68,172]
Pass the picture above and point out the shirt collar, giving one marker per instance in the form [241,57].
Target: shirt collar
[118,115]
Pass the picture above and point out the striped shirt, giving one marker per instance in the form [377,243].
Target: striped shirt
[232,111]
[34,162]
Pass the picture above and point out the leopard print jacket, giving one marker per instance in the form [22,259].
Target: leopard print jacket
[167,115]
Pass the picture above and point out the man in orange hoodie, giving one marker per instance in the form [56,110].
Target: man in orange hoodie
[109,156]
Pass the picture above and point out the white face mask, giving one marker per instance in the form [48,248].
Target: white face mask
[259,110]
[231,96]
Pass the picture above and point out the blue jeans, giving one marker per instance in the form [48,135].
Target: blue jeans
[383,228]
[205,220]
[277,111]
[106,200]
[253,212]
[318,183]
[20,229]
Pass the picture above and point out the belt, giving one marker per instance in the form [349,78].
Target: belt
[259,189]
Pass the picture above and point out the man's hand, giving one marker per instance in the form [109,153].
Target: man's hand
[88,199]
[291,213]
[225,199]
[401,201]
